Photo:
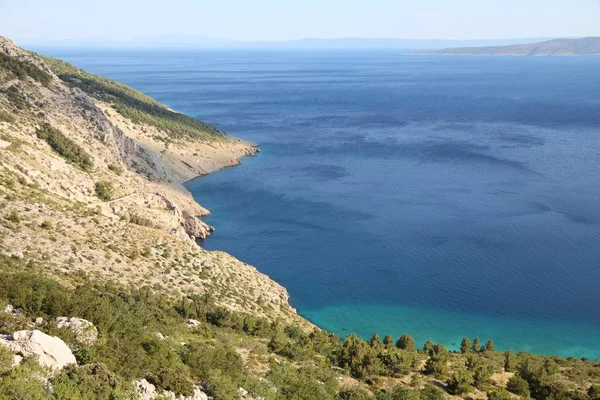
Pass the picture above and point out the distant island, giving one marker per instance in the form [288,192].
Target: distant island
[556,47]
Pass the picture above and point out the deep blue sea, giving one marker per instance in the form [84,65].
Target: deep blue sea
[440,196]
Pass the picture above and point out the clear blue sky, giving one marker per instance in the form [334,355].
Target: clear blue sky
[122,20]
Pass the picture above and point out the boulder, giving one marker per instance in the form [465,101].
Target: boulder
[86,332]
[50,351]
[192,323]
[147,391]
[11,310]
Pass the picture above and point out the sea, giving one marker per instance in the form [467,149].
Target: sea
[439,196]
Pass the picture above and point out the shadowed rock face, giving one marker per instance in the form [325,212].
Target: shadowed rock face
[50,351]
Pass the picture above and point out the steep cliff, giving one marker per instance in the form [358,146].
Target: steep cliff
[91,176]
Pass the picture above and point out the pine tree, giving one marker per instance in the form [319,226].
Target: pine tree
[388,340]
[476,345]
[428,346]
[489,346]
[375,340]
[406,342]
[509,361]
[465,345]
[437,363]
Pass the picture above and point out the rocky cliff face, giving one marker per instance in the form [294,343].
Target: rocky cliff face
[124,215]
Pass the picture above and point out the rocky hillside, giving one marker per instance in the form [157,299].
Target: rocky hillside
[557,47]
[91,176]
[104,293]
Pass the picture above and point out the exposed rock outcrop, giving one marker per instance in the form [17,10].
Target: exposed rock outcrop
[147,391]
[192,323]
[86,332]
[195,227]
[50,351]
[144,234]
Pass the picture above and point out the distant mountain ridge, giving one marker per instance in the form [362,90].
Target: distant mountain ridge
[556,47]
[202,42]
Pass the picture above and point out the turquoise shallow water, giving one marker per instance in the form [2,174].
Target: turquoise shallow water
[438,196]
[575,339]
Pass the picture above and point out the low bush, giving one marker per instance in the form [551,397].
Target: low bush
[22,69]
[64,146]
[104,190]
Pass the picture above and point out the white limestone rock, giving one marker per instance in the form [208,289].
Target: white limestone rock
[192,323]
[86,332]
[147,391]
[50,351]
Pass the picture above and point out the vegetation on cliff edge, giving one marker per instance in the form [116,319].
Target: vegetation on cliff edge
[132,104]
[144,334]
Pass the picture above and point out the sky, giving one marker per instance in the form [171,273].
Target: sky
[36,21]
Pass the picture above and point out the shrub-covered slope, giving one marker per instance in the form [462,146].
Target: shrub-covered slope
[94,224]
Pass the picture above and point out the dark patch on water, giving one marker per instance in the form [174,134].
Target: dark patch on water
[324,172]
[401,193]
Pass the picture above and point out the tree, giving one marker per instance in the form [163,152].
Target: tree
[476,345]
[499,394]
[482,374]
[358,357]
[354,393]
[437,363]
[375,340]
[104,190]
[396,362]
[460,382]
[489,345]
[427,346]
[518,386]
[388,340]
[465,345]
[406,342]
[431,392]
[509,361]
[278,340]
[401,393]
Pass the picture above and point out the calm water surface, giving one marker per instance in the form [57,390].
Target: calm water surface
[438,196]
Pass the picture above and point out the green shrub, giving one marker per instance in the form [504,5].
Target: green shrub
[14,217]
[65,147]
[406,342]
[220,386]
[90,382]
[6,117]
[518,385]
[594,392]
[203,358]
[460,382]
[175,379]
[116,169]
[16,98]
[499,394]
[354,393]
[17,383]
[437,363]
[46,225]
[304,383]
[104,190]
[22,69]
[132,104]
